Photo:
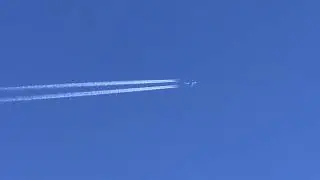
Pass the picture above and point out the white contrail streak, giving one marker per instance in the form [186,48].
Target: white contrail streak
[88,84]
[88,93]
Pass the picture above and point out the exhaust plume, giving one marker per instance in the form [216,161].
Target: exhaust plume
[88,84]
[88,93]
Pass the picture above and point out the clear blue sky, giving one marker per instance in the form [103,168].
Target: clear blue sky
[254,114]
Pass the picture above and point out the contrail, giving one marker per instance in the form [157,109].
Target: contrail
[88,84]
[88,93]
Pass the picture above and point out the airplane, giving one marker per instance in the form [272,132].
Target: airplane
[191,84]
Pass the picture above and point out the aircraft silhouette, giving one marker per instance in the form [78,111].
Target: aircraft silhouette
[191,84]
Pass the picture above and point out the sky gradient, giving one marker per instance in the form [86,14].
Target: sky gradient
[252,115]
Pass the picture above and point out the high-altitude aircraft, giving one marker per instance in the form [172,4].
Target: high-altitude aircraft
[191,84]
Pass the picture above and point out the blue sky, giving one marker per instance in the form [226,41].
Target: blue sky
[253,115]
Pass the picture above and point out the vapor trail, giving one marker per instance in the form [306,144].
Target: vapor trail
[88,84]
[88,93]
